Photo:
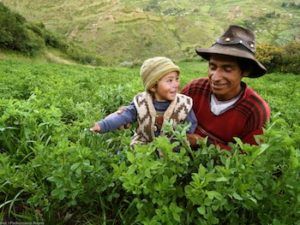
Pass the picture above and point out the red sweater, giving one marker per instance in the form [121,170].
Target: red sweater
[244,119]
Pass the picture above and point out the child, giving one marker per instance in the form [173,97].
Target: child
[158,103]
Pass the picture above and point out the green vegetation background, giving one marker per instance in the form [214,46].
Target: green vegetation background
[53,170]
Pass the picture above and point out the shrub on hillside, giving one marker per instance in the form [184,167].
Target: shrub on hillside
[269,56]
[294,5]
[55,41]
[291,58]
[28,38]
[49,38]
[82,56]
[15,35]
[33,44]
[153,5]
[189,52]
[280,58]
[37,28]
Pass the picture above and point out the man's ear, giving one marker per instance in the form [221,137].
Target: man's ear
[246,73]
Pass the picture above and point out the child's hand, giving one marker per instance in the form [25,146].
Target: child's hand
[96,128]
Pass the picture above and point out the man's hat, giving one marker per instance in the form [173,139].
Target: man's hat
[238,42]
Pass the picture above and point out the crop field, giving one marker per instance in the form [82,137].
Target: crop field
[54,171]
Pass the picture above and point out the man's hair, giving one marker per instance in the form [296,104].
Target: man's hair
[244,64]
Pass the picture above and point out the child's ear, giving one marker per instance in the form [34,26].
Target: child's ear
[153,89]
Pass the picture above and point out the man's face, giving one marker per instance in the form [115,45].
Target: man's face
[225,77]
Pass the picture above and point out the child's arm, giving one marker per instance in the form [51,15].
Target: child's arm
[191,135]
[116,120]
[191,118]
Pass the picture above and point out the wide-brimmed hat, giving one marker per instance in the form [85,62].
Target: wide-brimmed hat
[238,42]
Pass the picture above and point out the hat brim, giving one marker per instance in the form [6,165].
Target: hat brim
[257,69]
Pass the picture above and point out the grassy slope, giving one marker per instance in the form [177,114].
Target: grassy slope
[48,55]
[122,30]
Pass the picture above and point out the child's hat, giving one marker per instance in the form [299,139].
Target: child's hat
[155,68]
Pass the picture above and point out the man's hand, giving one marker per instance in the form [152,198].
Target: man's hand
[193,140]
[96,128]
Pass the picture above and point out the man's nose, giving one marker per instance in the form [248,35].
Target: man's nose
[216,74]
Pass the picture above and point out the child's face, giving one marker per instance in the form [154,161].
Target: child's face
[167,87]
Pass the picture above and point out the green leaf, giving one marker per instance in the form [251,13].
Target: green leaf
[75,166]
[130,156]
[253,200]
[262,149]
[221,179]
[202,170]
[214,194]
[201,210]
[237,196]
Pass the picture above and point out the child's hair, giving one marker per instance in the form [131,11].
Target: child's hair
[155,68]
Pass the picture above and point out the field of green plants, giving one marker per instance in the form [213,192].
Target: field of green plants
[54,171]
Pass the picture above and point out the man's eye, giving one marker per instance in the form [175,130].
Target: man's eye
[228,69]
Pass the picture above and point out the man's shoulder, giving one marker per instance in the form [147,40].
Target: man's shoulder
[198,81]
[252,95]
[199,85]
[254,104]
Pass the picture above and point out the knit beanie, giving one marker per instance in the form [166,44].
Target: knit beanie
[155,68]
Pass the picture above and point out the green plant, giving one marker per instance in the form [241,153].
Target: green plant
[270,56]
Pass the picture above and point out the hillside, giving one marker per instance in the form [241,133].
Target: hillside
[20,38]
[123,30]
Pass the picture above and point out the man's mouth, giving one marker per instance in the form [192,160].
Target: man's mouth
[218,85]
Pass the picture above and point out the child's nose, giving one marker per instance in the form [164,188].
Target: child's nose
[176,84]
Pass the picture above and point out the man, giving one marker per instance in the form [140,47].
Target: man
[224,105]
